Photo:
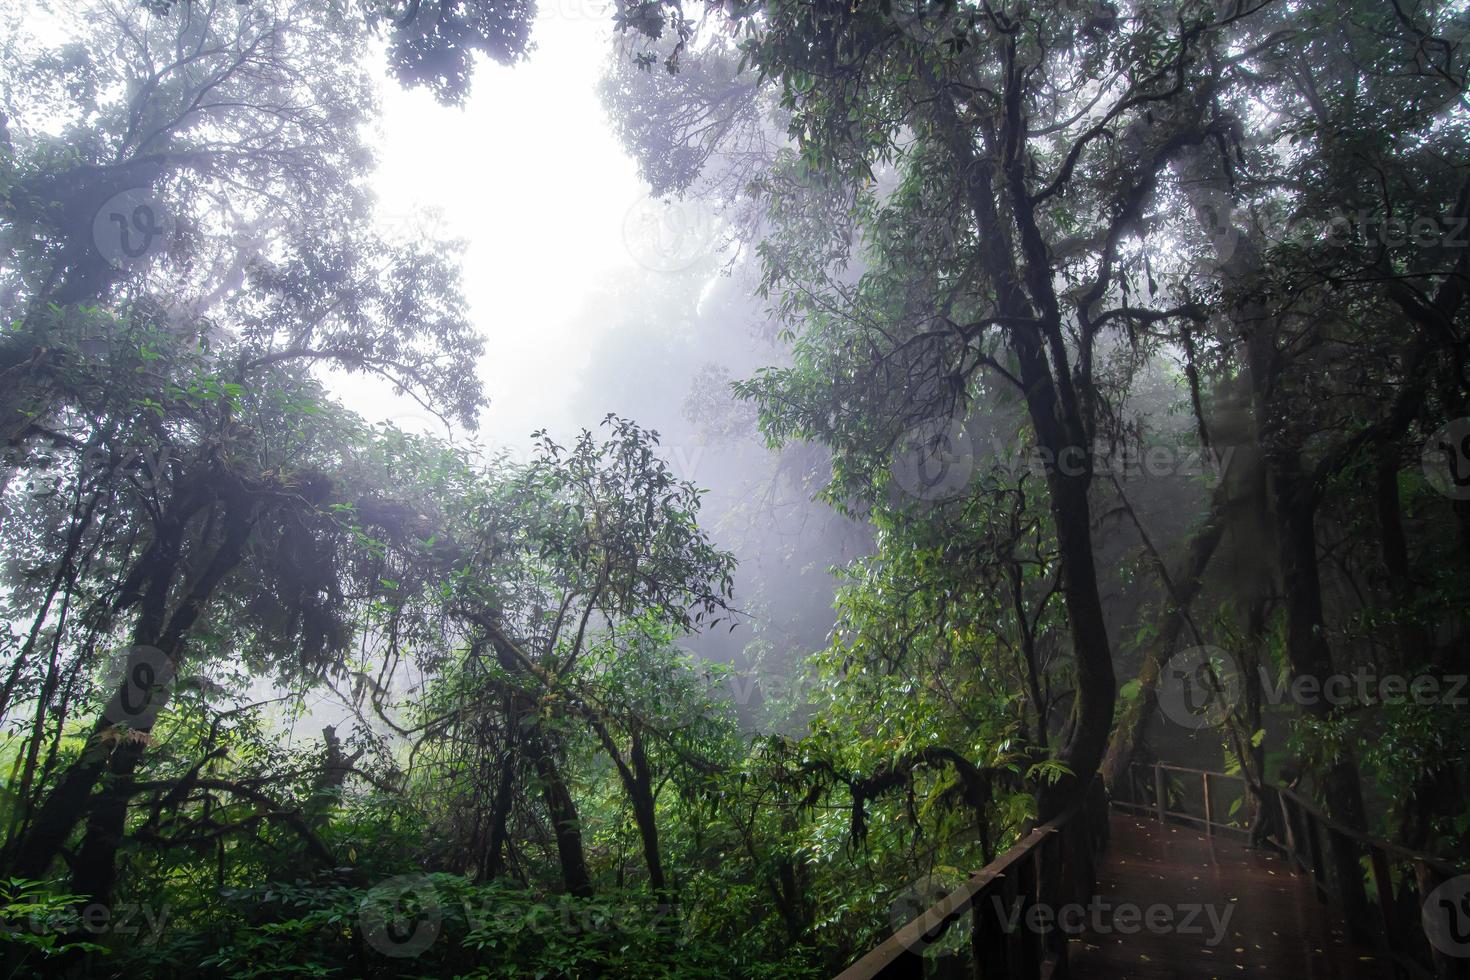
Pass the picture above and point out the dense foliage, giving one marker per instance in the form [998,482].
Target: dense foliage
[1113,329]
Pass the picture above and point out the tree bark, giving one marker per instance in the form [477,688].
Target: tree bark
[644,814]
[560,804]
[1061,431]
[564,819]
[96,866]
[1182,586]
[1293,500]
[1290,486]
[493,864]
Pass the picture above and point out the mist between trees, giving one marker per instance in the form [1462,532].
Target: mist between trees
[966,364]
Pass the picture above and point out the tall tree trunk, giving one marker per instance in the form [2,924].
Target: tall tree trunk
[97,860]
[95,869]
[1071,512]
[1060,431]
[637,781]
[492,865]
[1410,640]
[1294,507]
[564,819]
[63,807]
[1290,487]
[68,801]
[645,816]
[96,864]
[560,804]
[1181,587]
[147,585]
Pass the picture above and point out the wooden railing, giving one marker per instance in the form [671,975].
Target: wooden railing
[1379,888]
[1051,866]
[1376,887]
[1164,791]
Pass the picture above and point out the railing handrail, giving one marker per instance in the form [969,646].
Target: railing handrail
[1299,833]
[1159,805]
[1332,855]
[886,959]
[1397,850]
[1198,772]
[937,918]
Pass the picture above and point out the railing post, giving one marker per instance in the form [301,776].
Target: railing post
[1274,816]
[1053,893]
[987,936]
[1383,887]
[1029,951]
[1098,828]
[1446,967]
[1209,809]
[1293,832]
[1014,903]
[1288,831]
[1088,843]
[1160,796]
[1352,896]
[1314,842]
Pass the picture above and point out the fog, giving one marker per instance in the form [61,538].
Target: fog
[738,474]
[596,297]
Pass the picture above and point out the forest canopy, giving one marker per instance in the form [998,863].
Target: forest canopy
[1048,356]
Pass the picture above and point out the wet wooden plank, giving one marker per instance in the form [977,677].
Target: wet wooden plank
[1276,925]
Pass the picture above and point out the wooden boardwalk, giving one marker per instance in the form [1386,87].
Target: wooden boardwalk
[1276,927]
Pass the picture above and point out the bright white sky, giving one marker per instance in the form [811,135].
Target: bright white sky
[531,175]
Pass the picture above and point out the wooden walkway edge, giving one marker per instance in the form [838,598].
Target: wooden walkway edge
[1161,891]
[1219,909]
